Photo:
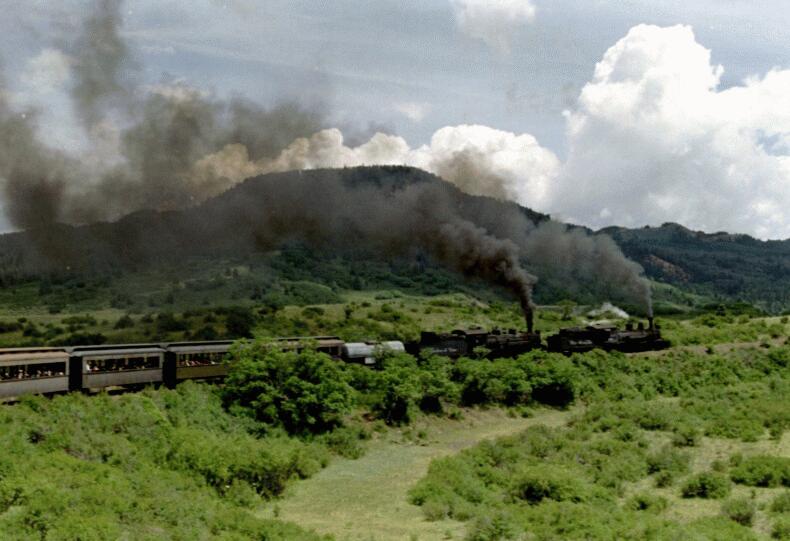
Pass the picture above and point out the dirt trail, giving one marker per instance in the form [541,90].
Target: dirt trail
[366,499]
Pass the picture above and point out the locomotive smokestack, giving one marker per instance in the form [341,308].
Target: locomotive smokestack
[526,307]
[650,324]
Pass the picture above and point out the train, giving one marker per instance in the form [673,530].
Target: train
[49,370]
[609,338]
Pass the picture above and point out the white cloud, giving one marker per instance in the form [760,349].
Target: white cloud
[480,160]
[653,139]
[414,111]
[485,161]
[493,21]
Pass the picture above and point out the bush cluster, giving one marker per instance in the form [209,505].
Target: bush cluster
[706,485]
[763,471]
[151,465]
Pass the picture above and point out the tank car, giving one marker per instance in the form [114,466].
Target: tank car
[367,352]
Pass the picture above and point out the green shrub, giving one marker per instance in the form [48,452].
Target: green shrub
[763,471]
[167,323]
[347,441]
[554,379]
[397,393]
[741,510]
[124,322]
[547,482]
[647,502]
[206,332]
[313,311]
[503,381]
[781,528]
[668,462]
[686,436]
[706,485]
[493,528]
[305,292]
[302,392]
[239,322]
[146,465]
[715,529]
[781,503]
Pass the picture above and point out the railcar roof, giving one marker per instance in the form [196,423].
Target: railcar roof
[209,348]
[7,357]
[118,352]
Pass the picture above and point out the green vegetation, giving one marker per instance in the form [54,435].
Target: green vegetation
[303,393]
[589,480]
[706,485]
[675,444]
[727,266]
[151,465]
[763,471]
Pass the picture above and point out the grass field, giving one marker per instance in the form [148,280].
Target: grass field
[364,499]
[367,499]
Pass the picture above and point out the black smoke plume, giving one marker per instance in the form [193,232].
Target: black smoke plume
[350,208]
[163,135]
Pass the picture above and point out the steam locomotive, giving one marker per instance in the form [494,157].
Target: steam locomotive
[609,338]
[84,368]
[511,343]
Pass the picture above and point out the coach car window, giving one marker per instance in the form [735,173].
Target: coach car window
[203,358]
[122,363]
[32,371]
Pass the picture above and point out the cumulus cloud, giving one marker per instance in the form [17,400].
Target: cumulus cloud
[653,138]
[480,160]
[493,21]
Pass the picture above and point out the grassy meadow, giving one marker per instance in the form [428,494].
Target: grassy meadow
[687,443]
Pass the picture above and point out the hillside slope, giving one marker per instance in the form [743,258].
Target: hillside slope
[720,267]
[723,265]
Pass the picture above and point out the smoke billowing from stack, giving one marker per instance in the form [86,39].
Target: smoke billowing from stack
[154,139]
[325,208]
[174,146]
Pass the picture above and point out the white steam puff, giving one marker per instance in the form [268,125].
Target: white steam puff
[608,309]
[493,21]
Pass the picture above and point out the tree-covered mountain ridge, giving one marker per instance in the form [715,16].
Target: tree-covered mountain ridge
[718,266]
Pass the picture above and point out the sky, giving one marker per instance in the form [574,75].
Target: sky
[602,112]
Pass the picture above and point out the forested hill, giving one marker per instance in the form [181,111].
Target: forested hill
[719,264]
[721,267]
